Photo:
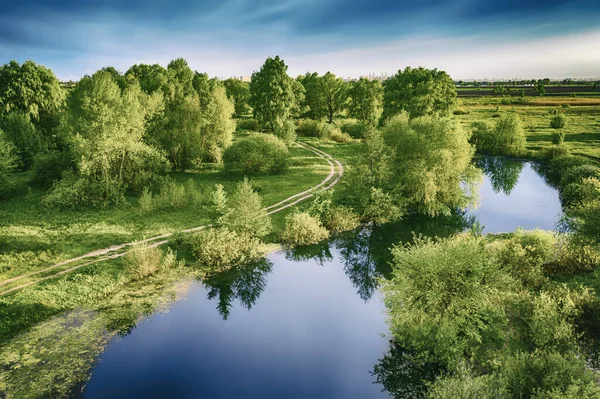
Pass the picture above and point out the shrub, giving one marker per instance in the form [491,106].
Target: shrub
[8,163]
[171,195]
[143,261]
[286,132]
[258,153]
[146,201]
[246,214]
[339,137]
[558,121]
[247,124]
[341,218]
[303,229]
[558,138]
[572,258]
[310,128]
[221,248]
[357,130]
[460,112]
[48,168]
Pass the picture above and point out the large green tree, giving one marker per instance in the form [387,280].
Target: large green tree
[109,124]
[420,92]
[150,77]
[272,94]
[366,100]
[238,92]
[32,90]
[8,163]
[325,97]
[24,136]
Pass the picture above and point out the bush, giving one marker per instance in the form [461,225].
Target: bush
[341,218]
[8,163]
[310,128]
[286,132]
[48,168]
[558,121]
[143,261]
[339,137]
[171,195]
[357,130]
[558,138]
[303,229]
[247,124]
[221,248]
[258,153]
[245,213]
[460,112]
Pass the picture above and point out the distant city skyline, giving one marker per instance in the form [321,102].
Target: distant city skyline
[470,39]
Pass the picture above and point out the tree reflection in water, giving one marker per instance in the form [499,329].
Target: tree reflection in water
[503,173]
[245,283]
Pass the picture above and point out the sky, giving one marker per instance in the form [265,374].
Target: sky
[470,39]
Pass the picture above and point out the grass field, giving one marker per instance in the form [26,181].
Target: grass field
[582,131]
[32,236]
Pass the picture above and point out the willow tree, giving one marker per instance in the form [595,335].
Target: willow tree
[419,92]
[272,94]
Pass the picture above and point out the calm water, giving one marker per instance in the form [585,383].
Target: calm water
[302,324]
[514,195]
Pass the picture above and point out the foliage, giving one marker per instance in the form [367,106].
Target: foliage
[246,214]
[558,121]
[272,94]
[430,161]
[49,167]
[221,248]
[325,96]
[110,124]
[506,138]
[247,124]
[151,78]
[238,93]
[171,195]
[339,137]
[143,260]
[257,153]
[341,218]
[303,229]
[311,128]
[356,130]
[25,138]
[8,163]
[419,92]
[286,132]
[558,138]
[32,90]
[366,98]
[220,210]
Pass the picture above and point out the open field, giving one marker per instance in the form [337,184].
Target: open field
[582,131]
[551,90]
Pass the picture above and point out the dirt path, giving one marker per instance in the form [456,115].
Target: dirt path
[116,251]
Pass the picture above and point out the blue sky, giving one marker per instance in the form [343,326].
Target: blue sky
[467,38]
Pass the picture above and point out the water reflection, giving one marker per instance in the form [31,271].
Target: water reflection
[403,374]
[503,173]
[245,283]
[365,252]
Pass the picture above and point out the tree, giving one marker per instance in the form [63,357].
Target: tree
[247,214]
[541,89]
[238,93]
[431,163]
[325,96]
[151,78]
[24,137]
[109,124]
[272,94]
[335,94]
[8,162]
[32,90]
[419,92]
[365,100]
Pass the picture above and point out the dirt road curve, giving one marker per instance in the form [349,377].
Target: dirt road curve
[116,251]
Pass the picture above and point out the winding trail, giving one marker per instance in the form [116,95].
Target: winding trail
[117,251]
